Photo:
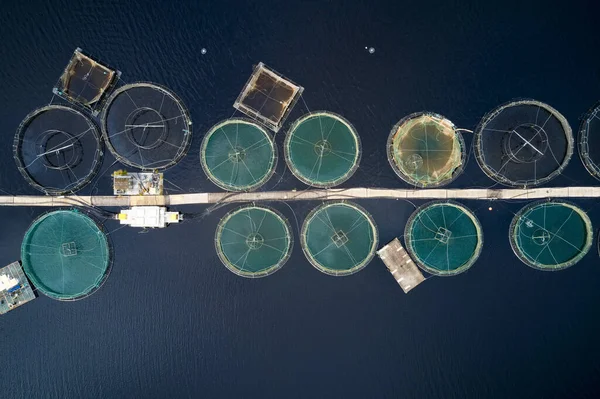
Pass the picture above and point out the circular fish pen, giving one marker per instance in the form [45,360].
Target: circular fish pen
[426,150]
[589,141]
[339,238]
[66,255]
[444,238]
[254,241]
[322,149]
[523,143]
[549,235]
[57,149]
[146,126]
[238,155]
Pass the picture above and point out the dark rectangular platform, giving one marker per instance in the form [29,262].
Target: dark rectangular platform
[268,97]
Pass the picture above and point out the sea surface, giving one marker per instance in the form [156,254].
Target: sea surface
[172,322]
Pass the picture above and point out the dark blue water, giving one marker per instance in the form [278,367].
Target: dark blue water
[172,322]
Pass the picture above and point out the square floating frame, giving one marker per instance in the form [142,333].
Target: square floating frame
[69,249]
[268,97]
[443,235]
[339,238]
[86,83]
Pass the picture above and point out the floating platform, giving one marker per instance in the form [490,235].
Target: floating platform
[523,143]
[268,97]
[322,149]
[551,235]
[14,288]
[402,267]
[339,238]
[238,155]
[476,194]
[86,82]
[444,238]
[254,241]
[426,150]
[148,216]
[66,255]
[144,183]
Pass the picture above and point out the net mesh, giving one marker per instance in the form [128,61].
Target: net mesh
[444,238]
[322,149]
[339,238]
[523,143]
[85,82]
[57,149]
[268,97]
[425,150]
[589,141]
[146,126]
[66,255]
[253,241]
[238,155]
[551,235]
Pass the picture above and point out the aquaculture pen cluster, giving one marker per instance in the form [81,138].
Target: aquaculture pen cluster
[59,149]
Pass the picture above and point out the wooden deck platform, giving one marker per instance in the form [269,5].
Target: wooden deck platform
[304,195]
[402,267]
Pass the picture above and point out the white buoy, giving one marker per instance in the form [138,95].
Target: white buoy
[203,51]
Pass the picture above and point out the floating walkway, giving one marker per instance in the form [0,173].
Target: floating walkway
[304,195]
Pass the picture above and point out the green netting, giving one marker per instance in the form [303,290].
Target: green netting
[322,149]
[65,255]
[551,235]
[339,238]
[253,241]
[425,150]
[238,155]
[444,238]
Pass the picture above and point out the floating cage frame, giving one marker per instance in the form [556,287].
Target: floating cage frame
[542,236]
[416,160]
[72,247]
[441,232]
[254,240]
[262,84]
[51,158]
[592,117]
[323,149]
[97,79]
[524,134]
[238,154]
[137,119]
[338,237]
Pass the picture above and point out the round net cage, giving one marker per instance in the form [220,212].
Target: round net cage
[254,241]
[589,141]
[339,238]
[523,143]
[146,126]
[238,155]
[551,235]
[57,149]
[444,238]
[322,149]
[66,255]
[426,150]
